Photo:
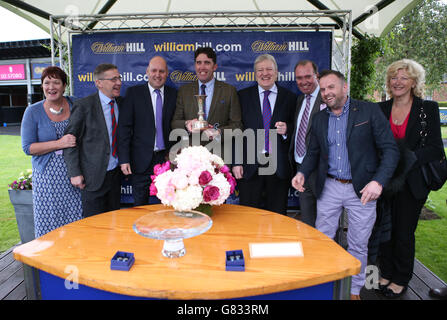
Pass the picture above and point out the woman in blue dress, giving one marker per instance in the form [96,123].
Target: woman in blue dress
[55,201]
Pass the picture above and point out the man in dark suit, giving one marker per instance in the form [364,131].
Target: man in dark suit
[266,106]
[144,127]
[308,104]
[222,109]
[93,164]
[355,154]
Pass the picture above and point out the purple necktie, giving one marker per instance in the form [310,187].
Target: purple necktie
[159,121]
[301,135]
[112,115]
[267,116]
[203,93]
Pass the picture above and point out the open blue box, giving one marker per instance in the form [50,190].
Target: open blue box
[235,260]
[122,261]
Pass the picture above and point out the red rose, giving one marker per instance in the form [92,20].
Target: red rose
[205,178]
[210,193]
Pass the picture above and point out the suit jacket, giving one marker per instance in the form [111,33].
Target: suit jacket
[314,110]
[372,151]
[136,126]
[225,109]
[91,155]
[252,119]
[433,149]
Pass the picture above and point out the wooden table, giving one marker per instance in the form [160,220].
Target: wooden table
[80,252]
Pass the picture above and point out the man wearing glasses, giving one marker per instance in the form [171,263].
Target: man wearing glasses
[93,164]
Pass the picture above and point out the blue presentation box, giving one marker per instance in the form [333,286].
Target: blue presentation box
[122,261]
[235,260]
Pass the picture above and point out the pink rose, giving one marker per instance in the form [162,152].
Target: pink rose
[232,181]
[205,177]
[224,169]
[160,168]
[153,189]
[170,192]
[210,193]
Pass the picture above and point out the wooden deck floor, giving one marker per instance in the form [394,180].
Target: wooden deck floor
[12,285]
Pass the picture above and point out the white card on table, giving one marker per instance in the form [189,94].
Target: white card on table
[276,249]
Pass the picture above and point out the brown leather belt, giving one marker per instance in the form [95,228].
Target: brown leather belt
[345,181]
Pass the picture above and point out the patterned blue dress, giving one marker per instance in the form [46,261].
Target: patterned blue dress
[56,201]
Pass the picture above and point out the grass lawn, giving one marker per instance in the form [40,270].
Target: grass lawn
[12,162]
[431,235]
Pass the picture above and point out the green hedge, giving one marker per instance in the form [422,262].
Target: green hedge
[442,104]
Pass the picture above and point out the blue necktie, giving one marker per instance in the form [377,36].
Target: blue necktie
[159,121]
[203,93]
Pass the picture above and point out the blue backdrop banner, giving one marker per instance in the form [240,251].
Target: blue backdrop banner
[236,52]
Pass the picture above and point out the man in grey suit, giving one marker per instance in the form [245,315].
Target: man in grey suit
[93,164]
[308,104]
[222,109]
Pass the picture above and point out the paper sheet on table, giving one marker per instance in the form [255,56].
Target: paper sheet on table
[276,249]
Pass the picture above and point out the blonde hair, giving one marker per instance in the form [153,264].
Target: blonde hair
[415,71]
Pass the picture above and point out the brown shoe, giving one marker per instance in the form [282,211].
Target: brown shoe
[355,297]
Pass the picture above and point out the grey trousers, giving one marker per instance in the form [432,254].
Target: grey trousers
[361,218]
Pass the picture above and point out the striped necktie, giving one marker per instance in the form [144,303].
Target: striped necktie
[301,135]
[112,114]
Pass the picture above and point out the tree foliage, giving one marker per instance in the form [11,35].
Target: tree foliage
[420,35]
[364,54]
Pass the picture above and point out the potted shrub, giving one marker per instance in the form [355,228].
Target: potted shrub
[21,196]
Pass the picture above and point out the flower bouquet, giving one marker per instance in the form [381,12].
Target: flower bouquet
[24,182]
[198,181]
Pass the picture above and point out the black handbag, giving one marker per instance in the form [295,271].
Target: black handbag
[434,172]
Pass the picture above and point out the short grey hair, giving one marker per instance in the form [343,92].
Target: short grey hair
[264,57]
[101,68]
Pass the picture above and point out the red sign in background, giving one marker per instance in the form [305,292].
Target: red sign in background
[12,72]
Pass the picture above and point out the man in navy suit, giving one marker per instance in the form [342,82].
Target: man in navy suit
[144,127]
[266,106]
[355,154]
[308,104]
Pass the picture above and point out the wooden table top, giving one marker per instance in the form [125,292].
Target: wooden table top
[89,244]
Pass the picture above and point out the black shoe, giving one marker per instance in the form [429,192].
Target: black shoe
[382,287]
[390,294]
[440,293]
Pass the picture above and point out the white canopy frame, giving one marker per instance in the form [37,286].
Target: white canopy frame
[337,21]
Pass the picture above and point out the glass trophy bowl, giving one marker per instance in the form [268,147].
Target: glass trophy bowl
[172,226]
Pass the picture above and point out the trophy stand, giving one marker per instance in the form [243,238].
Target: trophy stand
[201,124]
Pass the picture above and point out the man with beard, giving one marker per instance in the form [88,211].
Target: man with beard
[355,154]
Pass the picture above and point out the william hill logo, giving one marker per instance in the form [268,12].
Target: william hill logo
[261,46]
[272,46]
[113,48]
[179,76]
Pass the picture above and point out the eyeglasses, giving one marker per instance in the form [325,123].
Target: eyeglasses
[114,79]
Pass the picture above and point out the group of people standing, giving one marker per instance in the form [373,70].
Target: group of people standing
[338,152]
